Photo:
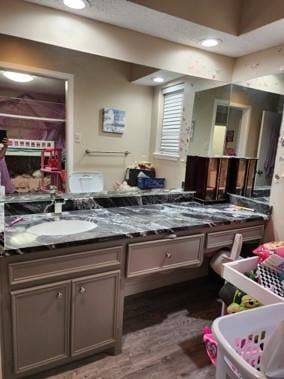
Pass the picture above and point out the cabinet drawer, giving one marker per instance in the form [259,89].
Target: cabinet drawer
[50,267]
[155,256]
[222,239]
[234,274]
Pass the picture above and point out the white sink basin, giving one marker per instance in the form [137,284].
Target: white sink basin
[61,228]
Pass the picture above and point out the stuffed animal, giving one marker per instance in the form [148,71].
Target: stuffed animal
[247,302]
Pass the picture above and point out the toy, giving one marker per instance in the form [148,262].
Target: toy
[247,302]
[265,250]
[210,344]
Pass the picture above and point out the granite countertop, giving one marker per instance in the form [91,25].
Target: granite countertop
[136,192]
[124,222]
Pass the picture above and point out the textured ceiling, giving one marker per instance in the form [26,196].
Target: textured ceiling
[139,18]
[223,15]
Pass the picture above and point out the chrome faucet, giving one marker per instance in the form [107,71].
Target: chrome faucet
[56,201]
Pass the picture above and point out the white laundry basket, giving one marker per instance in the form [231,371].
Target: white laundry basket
[241,338]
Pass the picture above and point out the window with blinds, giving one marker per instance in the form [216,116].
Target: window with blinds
[172,120]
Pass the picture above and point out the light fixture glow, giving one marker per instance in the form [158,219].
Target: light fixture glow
[158,79]
[18,76]
[210,42]
[75,4]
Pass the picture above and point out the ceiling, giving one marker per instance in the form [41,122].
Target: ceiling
[40,85]
[167,76]
[265,31]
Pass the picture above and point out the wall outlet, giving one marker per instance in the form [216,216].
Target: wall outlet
[77,138]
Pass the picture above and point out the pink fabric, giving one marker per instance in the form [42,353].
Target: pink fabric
[33,129]
[5,176]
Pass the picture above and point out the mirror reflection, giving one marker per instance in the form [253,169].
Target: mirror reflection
[134,126]
[32,123]
[241,120]
[264,96]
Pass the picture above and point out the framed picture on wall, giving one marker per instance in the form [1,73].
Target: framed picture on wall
[113,120]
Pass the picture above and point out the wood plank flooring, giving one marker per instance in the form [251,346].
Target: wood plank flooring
[162,336]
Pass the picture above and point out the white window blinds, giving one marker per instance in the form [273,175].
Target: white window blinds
[172,120]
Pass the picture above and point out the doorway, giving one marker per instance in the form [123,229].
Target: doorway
[267,148]
[229,137]
[37,115]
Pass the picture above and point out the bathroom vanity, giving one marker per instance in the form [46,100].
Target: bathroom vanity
[62,295]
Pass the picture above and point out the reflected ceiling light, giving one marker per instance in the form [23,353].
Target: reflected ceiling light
[158,79]
[75,4]
[210,42]
[18,76]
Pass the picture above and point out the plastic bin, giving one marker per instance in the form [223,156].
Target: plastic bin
[149,183]
[241,338]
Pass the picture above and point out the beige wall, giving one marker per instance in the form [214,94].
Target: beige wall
[54,27]
[98,82]
[269,83]
[268,62]
[265,62]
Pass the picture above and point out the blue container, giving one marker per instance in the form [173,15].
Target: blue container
[150,183]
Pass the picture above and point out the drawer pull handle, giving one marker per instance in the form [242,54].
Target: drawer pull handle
[59,295]
[82,290]
[171,236]
[168,255]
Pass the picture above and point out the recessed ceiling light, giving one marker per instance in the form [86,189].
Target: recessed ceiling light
[75,4]
[210,42]
[158,79]
[18,76]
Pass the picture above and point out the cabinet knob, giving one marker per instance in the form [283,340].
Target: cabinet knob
[82,290]
[59,295]
[168,255]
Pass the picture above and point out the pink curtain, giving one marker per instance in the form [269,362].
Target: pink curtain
[33,129]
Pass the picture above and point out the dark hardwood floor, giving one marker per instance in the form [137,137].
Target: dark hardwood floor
[162,336]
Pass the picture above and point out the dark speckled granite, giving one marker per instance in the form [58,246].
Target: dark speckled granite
[250,202]
[36,203]
[126,222]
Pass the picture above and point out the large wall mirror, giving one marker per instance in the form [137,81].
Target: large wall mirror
[241,120]
[127,116]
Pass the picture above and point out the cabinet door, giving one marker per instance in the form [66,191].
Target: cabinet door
[40,319]
[94,311]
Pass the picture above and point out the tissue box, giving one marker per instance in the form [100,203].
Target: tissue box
[150,183]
